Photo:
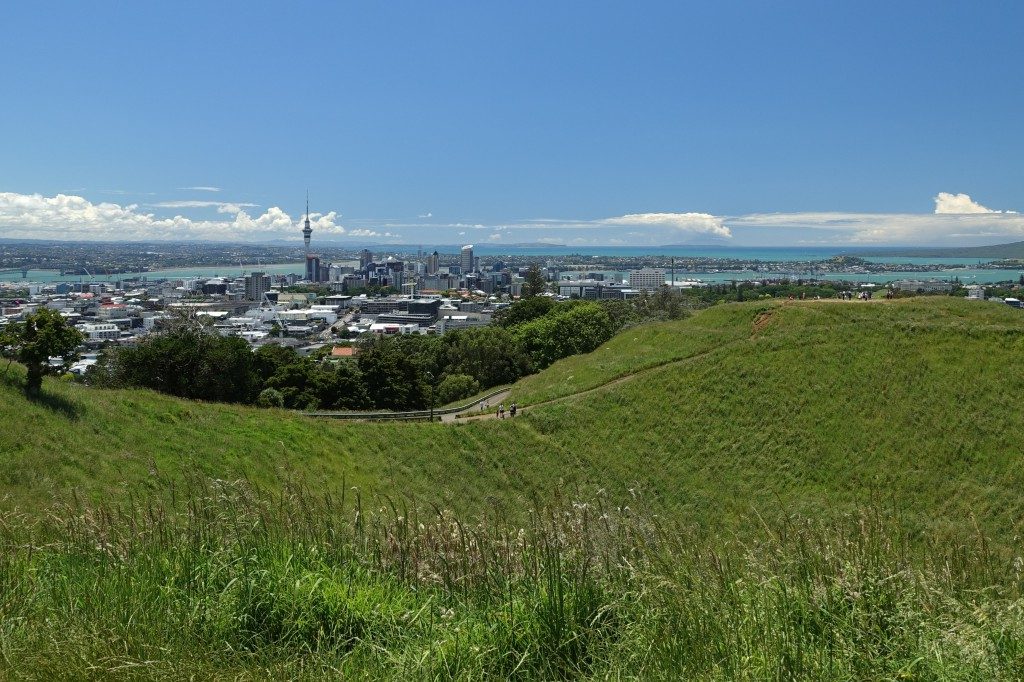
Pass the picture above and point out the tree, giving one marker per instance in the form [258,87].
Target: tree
[393,379]
[566,330]
[488,354]
[43,335]
[270,397]
[456,387]
[523,311]
[186,361]
[534,284]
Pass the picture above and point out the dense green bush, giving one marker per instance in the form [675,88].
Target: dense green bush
[270,397]
[491,355]
[565,330]
[456,387]
[188,361]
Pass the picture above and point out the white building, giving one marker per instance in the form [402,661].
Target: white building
[647,279]
[975,292]
[448,322]
[112,311]
[388,328]
[104,331]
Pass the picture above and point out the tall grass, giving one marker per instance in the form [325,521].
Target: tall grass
[230,581]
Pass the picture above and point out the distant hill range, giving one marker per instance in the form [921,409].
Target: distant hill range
[995,251]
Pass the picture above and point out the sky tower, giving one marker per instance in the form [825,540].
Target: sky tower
[307,231]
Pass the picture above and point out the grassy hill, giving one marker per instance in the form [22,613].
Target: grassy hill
[809,407]
[762,491]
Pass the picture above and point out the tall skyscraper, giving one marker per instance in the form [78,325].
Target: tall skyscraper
[312,267]
[433,263]
[466,261]
[365,258]
[307,231]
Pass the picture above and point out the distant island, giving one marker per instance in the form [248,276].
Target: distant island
[1013,250]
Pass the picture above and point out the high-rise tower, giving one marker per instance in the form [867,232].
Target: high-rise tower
[307,231]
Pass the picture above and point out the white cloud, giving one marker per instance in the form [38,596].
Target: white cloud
[890,228]
[200,188]
[67,216]
[696,223]
[957,220]
[959,204]
[371,233]
[219,205]
[428,214]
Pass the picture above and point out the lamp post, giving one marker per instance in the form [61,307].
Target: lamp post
[430,383]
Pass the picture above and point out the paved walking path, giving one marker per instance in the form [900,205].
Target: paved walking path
[474,411]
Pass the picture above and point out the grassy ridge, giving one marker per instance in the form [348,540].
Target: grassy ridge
[817,408]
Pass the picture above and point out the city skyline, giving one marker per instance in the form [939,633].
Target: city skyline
[582,124]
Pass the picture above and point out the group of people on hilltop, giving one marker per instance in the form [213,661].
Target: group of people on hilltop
[862,296]
[512,409]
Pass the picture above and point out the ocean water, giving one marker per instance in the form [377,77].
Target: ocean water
[227,271]
[768,253]
[969,273]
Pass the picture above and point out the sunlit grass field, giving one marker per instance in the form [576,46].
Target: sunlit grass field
[810,407]
[764,490]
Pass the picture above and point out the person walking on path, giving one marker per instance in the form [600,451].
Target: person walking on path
[501,411]
[512,410]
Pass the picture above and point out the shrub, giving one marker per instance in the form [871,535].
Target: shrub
[270,397]
[456,387]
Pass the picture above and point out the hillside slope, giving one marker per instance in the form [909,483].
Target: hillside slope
[812,407]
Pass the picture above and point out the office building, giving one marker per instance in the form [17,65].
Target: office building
[647,279]
[466,261]
[365,258]
[312,267]
[256,284]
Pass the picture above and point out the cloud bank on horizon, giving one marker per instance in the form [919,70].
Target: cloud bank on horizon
[72,217]
[956,219]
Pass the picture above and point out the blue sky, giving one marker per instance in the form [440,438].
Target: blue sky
[641,123]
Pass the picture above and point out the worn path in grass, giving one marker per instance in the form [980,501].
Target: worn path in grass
[608,384]
[475,410]
[758,326]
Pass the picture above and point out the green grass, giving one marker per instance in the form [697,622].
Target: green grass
[647,517]
[823,408]
[262,586]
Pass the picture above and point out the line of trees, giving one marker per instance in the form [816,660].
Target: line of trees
[390,373]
